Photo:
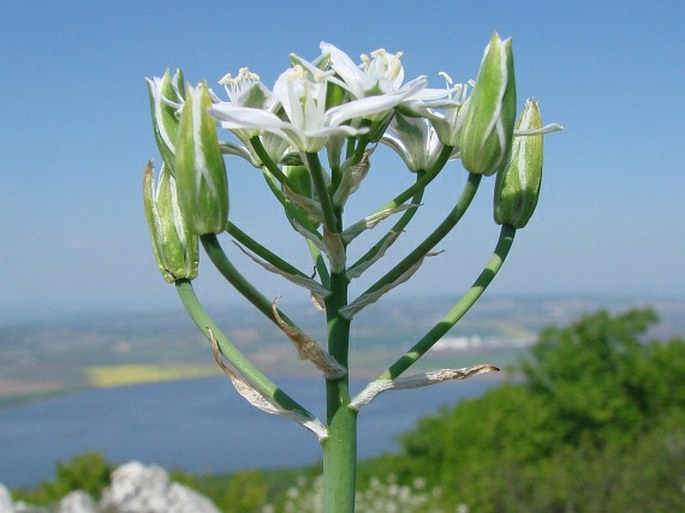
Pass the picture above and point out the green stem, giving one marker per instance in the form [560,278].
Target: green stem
[319,264]
[421,182]
[340,449]
[436,236]
[401,223]
[506,239]
[238,360]
[262,251]
[330,220]
[226,268]
[292,211]
[267,161]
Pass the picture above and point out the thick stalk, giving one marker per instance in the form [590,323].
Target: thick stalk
[340,449]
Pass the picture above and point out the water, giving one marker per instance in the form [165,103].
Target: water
[200,426]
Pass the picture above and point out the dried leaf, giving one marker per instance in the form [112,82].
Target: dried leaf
[308,348]
[260,401]
[352,176]
[371,221]
[364,300]
[308,205]
[335,249]
[312,285]
[415,381]
[357,270]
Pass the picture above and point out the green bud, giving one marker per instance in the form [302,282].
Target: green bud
[488,127]
[518,185]
[335,95]
[165,100]
[200,171]
[175,248]
[299,180]
[300,191]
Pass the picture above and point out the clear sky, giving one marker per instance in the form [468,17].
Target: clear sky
[75,135]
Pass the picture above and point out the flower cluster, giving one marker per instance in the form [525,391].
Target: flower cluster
[345,108]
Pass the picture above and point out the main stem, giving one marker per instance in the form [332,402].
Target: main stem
[340,449]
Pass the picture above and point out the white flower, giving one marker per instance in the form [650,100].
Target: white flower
[415,140]
[378,74]
[247,90]
[381,74]
[302,95]
[446,114]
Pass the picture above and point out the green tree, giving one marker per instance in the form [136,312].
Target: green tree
[595,427]
[246,493]
[89,472]
[596,375]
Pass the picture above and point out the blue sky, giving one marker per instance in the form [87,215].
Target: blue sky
[76,134]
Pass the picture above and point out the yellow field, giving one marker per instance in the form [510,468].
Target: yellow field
[120,375]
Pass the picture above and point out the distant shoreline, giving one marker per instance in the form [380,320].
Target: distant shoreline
[23,399]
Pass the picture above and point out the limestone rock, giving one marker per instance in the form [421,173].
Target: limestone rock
[139,489]
[5,500]
[78,502]
[135,488]
[22,507]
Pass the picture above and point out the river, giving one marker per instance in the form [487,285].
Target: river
[200,426]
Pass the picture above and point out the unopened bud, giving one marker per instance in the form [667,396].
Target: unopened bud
[518,185]
[489,124]
[165,101]
[200,170]
[175,248]
[300,190]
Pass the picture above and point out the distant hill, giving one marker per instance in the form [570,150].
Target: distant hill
[44,357]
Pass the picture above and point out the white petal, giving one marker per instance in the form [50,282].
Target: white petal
[343,66]
[361,108]
[547,129]
[232,116]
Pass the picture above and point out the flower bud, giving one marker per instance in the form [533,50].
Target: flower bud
[488,127]
[300,190]
[165,101]
[175,248]
[518,185]
[200,171]
[299,180]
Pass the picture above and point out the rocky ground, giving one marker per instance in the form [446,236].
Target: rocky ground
[135,488]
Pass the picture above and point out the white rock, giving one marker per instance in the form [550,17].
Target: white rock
[78,502]
[5,500]
[22,507]
[139,489]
